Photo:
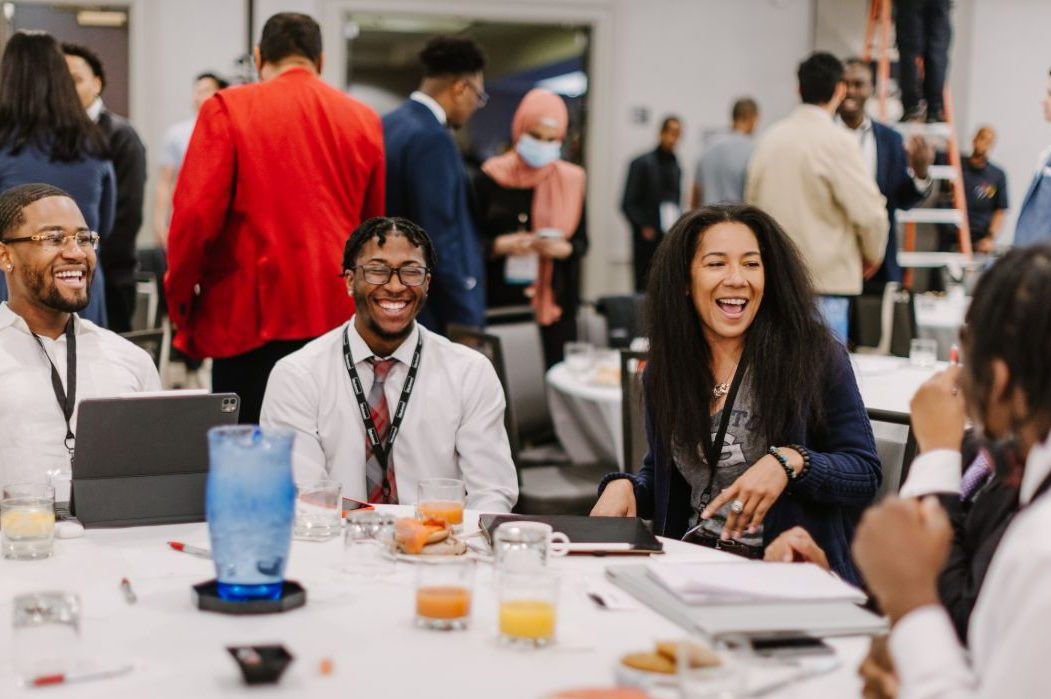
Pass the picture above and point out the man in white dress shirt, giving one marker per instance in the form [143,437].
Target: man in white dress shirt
[901,545]
[50,359]
[440,403]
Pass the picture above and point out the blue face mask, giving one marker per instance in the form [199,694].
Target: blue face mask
[538,153]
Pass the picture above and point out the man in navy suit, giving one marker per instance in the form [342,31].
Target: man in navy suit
[427,182]
[900,171]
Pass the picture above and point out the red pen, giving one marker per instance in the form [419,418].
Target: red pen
[48,680]
[192,550]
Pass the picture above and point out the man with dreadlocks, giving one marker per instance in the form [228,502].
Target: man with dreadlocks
[47,352]
[339,392]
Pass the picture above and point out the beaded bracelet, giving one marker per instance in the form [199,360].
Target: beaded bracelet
[805,453]
[789,471]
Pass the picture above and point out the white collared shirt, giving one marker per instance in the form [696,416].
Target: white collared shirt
[429,102]
[1009,626]
[32,427]
[95,109]
[867,139]
[453,425]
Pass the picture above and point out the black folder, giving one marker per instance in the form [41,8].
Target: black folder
[587,530]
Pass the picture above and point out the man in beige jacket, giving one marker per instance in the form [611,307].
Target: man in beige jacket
[808,173]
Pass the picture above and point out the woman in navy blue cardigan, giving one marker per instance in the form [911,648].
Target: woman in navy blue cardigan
[743,372]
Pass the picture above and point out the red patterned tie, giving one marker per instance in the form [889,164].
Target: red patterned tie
[381,418]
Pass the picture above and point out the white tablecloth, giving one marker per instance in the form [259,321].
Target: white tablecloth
[588,418]
[364,627]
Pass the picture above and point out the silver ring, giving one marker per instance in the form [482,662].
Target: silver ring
[737,507]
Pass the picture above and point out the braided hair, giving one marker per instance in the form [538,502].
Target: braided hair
[379,228]
[1010,319]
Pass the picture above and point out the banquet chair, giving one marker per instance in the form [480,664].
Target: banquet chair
[559,488]
[896,447]
[153,341]
[633,414]
[892,323]
[624,318]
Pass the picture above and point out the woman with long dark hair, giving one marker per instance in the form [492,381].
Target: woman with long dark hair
[46,136]
[754,418]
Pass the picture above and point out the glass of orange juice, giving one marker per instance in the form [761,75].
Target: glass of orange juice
[441,498]
[444,589]
[528,608]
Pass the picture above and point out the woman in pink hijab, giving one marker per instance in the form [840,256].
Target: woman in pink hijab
[531,214]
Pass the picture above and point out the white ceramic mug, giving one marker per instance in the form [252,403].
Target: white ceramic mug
[521,545]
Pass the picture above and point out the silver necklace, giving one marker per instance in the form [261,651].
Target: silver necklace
[721,389]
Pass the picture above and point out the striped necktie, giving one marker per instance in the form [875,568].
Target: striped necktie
[381,418]
[975,475]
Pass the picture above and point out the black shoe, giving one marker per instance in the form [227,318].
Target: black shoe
[935,116]
[916,113]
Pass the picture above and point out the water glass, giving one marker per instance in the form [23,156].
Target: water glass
[318,510]
[443,593]
[528,608]
[524,546]
[27,521]
[580,357]
[368,544]
[250,505]
[923,352]
[46,633]
[442,499]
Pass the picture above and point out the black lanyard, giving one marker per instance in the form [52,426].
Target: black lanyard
[713,449]
[66,401]
[381,450]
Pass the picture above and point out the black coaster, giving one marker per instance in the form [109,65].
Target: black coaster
[206,597]
[261,664]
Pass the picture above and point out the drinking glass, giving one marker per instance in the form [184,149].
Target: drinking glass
[317,510]
[580,356]
[250,504]
[923,352]
[528,608]
[46,633]
[522,546]
[27,521]
[443,593]
[368,544]
[442,499]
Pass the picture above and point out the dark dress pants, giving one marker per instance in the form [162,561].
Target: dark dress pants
[923,29]
[246,375]
[642,256]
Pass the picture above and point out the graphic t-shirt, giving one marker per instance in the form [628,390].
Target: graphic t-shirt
[986,190]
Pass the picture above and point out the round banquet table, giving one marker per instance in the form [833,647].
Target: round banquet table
[588,416]
[364,626]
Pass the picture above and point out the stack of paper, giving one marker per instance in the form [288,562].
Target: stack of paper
[752,581]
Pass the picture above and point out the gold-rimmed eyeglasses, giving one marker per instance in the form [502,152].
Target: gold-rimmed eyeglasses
[57,240]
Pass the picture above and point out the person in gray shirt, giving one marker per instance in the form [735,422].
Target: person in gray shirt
[722,170]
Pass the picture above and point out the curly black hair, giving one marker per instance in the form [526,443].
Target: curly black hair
[451,55]
[15,199]
[379,228]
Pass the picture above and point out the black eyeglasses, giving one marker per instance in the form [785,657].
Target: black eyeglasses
[482,95]
[56,240]
[410,275]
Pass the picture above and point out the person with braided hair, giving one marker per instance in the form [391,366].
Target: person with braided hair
[381,402]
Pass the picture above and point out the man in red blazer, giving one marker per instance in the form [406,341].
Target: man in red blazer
[277,175]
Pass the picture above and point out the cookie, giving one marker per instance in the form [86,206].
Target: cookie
[697,655]
[649,662]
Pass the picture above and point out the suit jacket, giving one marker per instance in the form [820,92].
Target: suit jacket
[643,194]
[277,176]
[807,172]
[129,164]
[427,184]
[899,189]
[843,478]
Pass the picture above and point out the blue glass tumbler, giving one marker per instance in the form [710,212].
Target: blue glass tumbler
[250,505]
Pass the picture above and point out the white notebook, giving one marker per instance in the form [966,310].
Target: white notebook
[752,581]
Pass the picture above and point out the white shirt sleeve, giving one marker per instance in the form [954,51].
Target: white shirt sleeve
[482,447]
[928,657]
[291,401]
[937,471]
